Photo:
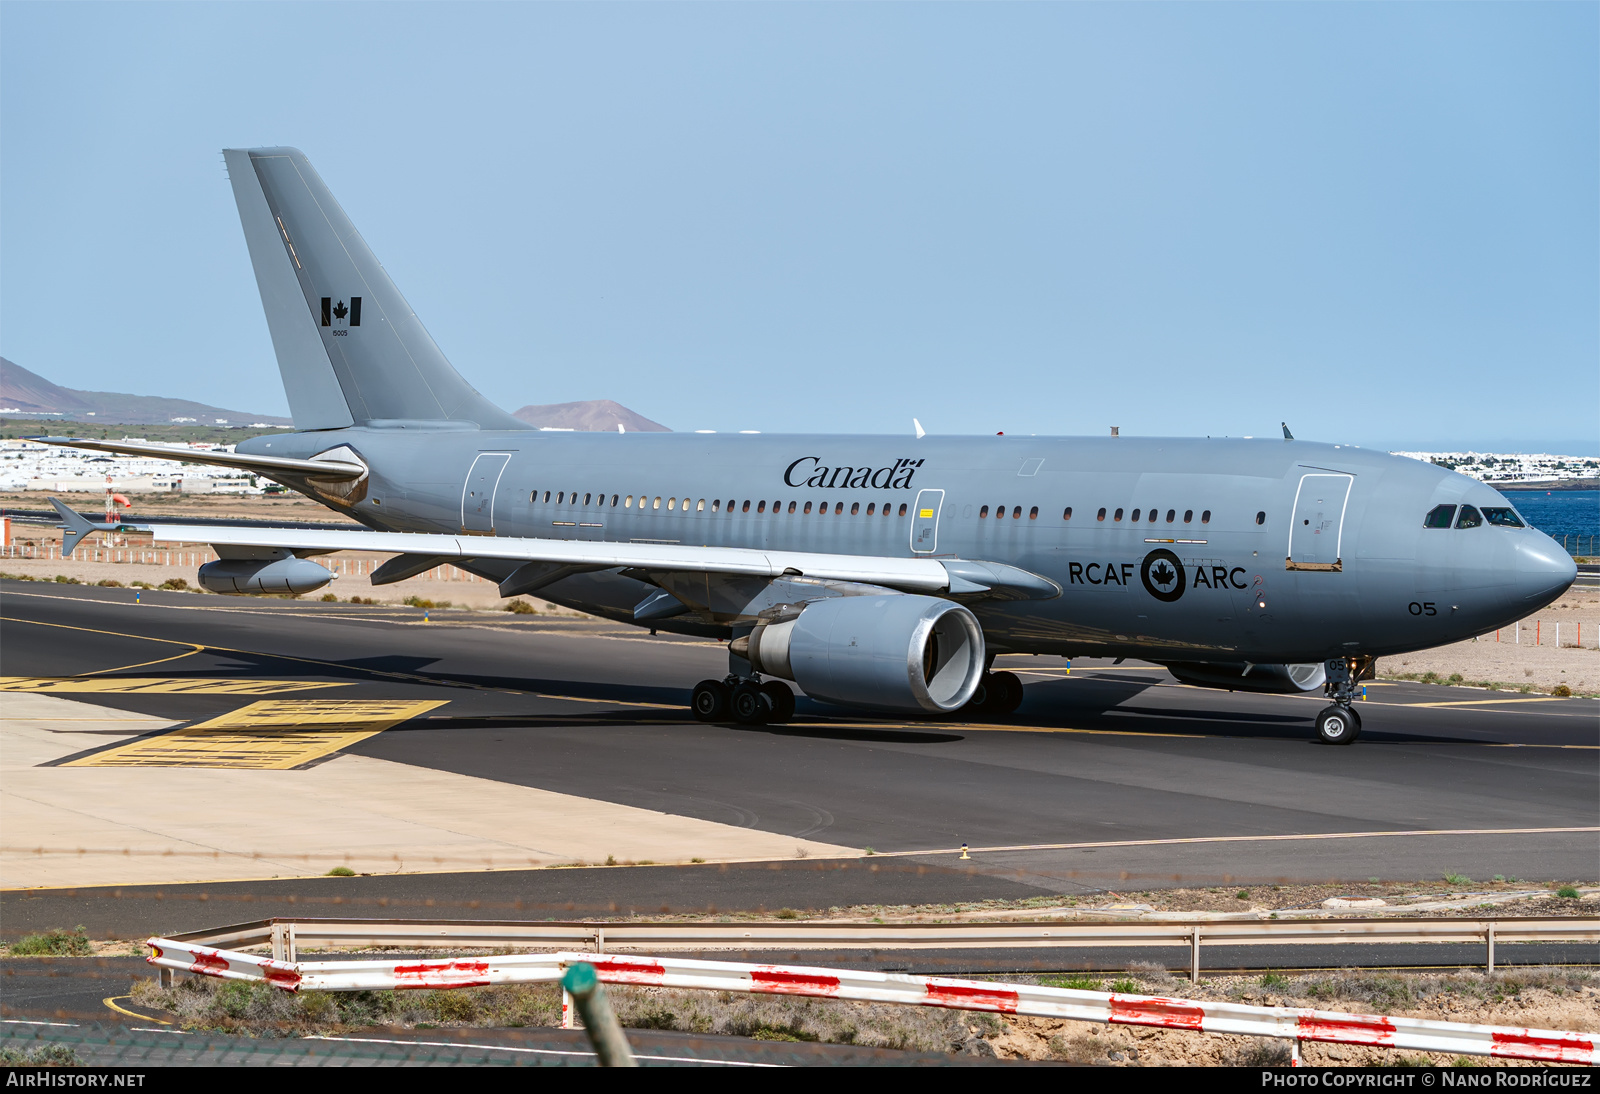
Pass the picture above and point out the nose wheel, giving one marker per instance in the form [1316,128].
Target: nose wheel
[1338,725]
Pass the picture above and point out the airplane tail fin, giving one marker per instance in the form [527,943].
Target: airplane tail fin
[349,347]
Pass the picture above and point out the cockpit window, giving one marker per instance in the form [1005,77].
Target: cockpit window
[1504,518]
[1439,516]
[1469,518]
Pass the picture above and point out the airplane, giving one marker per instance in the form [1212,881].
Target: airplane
[875,572]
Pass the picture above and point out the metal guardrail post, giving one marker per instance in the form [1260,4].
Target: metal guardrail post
[1194,956]
[1489,937]
[279,950]
[605,1032]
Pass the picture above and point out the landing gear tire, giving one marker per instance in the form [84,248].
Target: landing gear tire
[997,693]
[709,701]
[750,705]
[781,700]
[1005,692]
[1338,725]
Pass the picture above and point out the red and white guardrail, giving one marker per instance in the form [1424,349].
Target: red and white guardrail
[927,991]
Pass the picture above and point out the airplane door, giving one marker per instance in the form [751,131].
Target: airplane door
[1317,524]
[477,493]
[925,521]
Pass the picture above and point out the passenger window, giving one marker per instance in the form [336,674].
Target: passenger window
[1205,518]
[700,506]
[561,497]
[1101,516]
[746,508]
[792,504]
[1016,514]
[586,498]
[807,509]
[871,506]
[1188,515]
[1136,513]
[613,501]
[1171,513]
[533,497]
[547,495]
[1033,514]
[657,504]
[1117,515]
[902,509]
[1439,516]
[627,502]
[1469,518]
[983,512]
[855,507]
[761,506]
[1261,518]
[1066,514]
[1503,518]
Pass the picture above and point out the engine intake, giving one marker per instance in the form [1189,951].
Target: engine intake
[904,653]
[264,575]
[1239,676]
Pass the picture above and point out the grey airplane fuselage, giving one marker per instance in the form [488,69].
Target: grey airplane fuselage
[1221,550]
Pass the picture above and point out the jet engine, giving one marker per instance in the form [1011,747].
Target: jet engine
[905,653]
[1240,676]
[264,575]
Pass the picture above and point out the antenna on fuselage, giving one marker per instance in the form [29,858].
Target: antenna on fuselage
[1286,434]
[921,433]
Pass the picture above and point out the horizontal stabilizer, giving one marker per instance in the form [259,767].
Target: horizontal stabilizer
[270,466]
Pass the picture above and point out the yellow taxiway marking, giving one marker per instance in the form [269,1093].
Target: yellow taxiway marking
[190,686]
[267,735]
[1480,702]
[198,648]
[1240,839]
[111,1001]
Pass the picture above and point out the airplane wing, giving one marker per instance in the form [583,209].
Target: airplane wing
[331,468]
[548,560]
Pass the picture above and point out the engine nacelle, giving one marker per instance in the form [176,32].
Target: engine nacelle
[264,575]
[1238,676]
[905,653]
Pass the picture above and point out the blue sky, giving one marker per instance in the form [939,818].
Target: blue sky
[1380,222]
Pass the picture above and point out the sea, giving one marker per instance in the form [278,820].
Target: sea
[1567,514]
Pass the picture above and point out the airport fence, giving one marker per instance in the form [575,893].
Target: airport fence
[288,937]
[1579,546]
[1296,1025]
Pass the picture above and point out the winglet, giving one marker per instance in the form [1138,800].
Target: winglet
[75,526]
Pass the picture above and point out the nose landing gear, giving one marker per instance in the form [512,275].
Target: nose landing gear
[1339,724]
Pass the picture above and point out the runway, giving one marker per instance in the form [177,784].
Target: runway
[1109,777]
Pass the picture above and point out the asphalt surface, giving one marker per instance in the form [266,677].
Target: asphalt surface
[1110,778]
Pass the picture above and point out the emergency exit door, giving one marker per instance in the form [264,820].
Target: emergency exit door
[1316,527]
[477,493]
[925,521]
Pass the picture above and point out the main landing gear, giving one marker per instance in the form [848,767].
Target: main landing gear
[997,693]
[746,701]
[1339,724]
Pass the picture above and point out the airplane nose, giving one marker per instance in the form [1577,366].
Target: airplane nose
[1543,570]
